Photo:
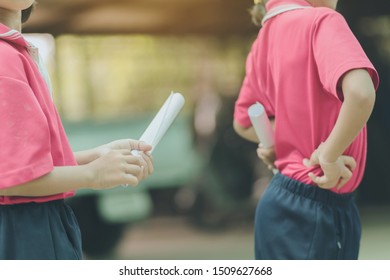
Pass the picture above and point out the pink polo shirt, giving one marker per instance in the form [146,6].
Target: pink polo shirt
[294,69]
[32,138]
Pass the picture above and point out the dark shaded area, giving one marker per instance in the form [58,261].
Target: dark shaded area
[375,188]
[224,190]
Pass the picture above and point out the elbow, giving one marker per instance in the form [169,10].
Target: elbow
[363,99]
[235,126]
[243,132]
[359,89]
[238,128]
[369,100]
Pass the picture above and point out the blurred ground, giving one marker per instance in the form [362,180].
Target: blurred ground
[174,238]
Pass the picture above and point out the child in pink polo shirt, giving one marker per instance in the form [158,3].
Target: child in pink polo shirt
[37,167]
[312,76]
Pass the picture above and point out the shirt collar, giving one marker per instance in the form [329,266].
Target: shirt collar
[12,36]
[274,3]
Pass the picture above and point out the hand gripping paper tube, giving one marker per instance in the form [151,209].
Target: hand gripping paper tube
[163,120]
[262,126]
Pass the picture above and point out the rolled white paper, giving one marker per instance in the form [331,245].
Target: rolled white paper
[163,120]
[261,124]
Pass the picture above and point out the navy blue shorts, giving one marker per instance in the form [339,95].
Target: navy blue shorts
[295,221]
[39,231]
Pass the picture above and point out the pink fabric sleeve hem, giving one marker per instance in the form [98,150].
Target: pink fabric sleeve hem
[343,69]
[26,174]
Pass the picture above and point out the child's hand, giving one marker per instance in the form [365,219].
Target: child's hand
[146,160]
[147,167]
[267,155]
[116,167]
[129,144]
[336,174]
[116,164]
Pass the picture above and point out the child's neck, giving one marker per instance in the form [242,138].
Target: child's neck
[12,19]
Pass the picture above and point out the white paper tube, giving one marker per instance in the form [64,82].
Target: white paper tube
[261,124]
[163,120]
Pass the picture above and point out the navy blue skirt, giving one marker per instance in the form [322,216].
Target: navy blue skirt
[298,221]
[39,231]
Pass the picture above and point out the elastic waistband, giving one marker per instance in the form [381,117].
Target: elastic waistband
[312,192]
[34,204]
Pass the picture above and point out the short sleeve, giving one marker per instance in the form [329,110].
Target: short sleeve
[250,93]
[337,51]
[24,138]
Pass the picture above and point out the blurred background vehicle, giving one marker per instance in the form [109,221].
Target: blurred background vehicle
[113,64]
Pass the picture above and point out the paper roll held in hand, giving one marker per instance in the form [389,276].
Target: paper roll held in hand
[261,124]
[163,120]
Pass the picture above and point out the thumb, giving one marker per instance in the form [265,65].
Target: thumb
[306,162]
[313,161]
[139,145]
[143,146]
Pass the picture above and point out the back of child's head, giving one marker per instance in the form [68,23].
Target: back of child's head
[258,11]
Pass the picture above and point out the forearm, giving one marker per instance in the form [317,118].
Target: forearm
[246,133]
[104,167]
[358,104]
[87,156]
[61,179]
[250,133]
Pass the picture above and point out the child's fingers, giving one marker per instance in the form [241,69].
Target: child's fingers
[149,160]
[322,181]
[342,182]
[132,169]
[313,161]
[346,175]
[131,180]
[314,178]
[130,159]
[143,146]
[349,161]
[309,162]
[266,160]
[264,152]
[259,153]
[261,146]
[139,145]
[306,162]
[147,163]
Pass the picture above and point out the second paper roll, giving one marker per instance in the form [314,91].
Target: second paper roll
[261,124]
